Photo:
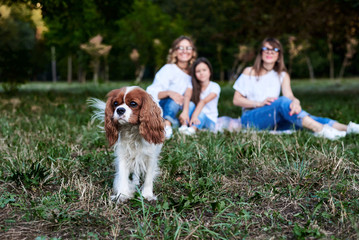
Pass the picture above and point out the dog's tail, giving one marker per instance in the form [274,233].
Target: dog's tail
[99,109]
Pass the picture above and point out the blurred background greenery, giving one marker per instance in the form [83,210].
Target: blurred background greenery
[117,40]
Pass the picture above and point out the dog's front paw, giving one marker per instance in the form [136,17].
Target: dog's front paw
[120,198]
[149,196]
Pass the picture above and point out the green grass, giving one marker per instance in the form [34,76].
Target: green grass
[56,174]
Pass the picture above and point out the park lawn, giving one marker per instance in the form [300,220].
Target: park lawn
[56,173]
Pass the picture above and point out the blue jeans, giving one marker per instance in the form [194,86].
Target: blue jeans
[170,109]
[205,121]
[276,116]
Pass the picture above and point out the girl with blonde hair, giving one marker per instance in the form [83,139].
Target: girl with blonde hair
[172,83]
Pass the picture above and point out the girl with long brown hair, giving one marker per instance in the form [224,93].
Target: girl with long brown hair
[202,111]
[258,93]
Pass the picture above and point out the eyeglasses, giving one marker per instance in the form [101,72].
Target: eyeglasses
[270,50]
[182,49]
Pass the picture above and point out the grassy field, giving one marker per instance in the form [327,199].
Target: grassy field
[56,174]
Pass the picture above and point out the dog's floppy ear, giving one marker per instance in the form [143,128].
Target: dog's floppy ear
[111,127]
[152,126]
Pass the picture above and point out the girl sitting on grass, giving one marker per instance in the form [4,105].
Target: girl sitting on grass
[173,81]
[202,111]
[257,91]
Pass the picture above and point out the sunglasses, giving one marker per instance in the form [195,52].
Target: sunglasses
[272,50]
[182,49]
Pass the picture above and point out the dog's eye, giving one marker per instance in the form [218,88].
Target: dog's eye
[115,103]
[133,104]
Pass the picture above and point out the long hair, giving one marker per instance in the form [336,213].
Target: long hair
[172,57]
[279,65]
[196,91]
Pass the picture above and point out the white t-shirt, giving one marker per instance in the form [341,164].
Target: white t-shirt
[169,77]
[259,88]
[211,108]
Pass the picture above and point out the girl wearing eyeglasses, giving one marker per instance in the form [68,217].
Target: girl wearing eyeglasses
[257,91]
[172,84]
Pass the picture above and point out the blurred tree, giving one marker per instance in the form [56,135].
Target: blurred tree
[71,23]
[96,50]
[17,33]
[245,54]
[135,56]
[111,11]
[326,29]
[351,45]
[150,31]
[231,23]
[214,26]
[312,22]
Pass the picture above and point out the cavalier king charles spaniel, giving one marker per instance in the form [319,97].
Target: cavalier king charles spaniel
[135,127]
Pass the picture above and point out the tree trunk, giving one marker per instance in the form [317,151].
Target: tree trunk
[53,63]
[351,49]
[290,65]
[310,68]
[69,69]
[107,71]
[330,57]
[96,69]
[342,69]
[238,70]
[219,58]
[221,75]
[139,73]
[232,74]
[81,74]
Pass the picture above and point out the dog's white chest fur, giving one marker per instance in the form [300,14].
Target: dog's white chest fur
[137,152]
[134,156]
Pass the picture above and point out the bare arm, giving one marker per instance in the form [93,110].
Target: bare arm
[199,107]
[178,98]
[286,88]
[240,100]
[295,107]
[184,116]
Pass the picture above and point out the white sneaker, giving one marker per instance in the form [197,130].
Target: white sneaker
[190,131]
[330,133]
[183,129]
[353,128]
[168,132]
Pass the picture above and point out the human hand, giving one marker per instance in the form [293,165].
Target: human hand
[184,118]
[268,101]
[295,107]
[194,121]
[178,98]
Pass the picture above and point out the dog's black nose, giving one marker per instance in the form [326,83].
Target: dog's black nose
[120,111]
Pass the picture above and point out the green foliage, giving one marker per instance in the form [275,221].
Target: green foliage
[32,176]
[6,198]
[149,30]
[71,23]
[17,43]
[306,231]
[321,28]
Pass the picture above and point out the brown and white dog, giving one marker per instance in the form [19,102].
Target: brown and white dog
[135,127]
